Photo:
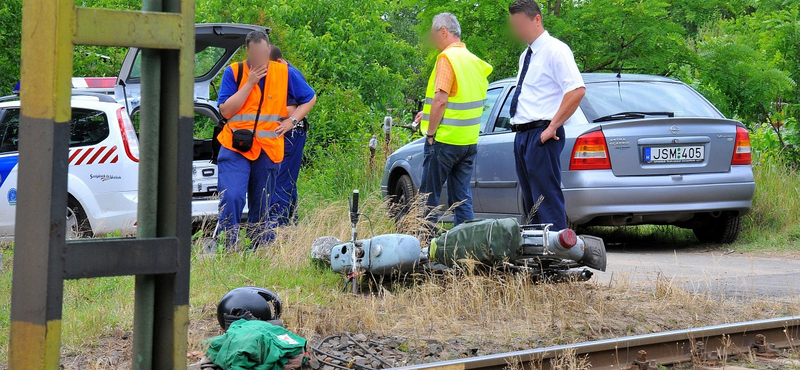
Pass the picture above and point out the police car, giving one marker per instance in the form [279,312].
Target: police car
[103,164]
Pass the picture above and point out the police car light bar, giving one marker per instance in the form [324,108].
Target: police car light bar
[105,84]
[93,82]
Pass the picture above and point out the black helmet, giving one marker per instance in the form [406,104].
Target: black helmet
[250,303]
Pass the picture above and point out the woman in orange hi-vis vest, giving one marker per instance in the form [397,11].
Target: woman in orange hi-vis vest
[252,97]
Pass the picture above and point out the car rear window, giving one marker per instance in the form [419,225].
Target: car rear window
[606,98]
[204,62]
[87,127]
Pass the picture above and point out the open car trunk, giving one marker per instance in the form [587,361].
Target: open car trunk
[215,45]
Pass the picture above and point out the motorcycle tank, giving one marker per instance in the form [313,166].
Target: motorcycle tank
[382,255]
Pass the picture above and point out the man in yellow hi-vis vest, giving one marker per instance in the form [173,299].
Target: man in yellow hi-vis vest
[451,119]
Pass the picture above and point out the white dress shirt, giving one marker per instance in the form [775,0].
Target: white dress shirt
[551,74]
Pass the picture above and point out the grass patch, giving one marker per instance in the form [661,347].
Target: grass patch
[773,223]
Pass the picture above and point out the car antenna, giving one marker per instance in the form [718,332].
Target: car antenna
[619,73]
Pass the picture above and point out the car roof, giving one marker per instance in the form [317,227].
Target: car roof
[607,77]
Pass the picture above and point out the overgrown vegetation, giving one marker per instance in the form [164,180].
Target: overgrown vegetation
[364,56]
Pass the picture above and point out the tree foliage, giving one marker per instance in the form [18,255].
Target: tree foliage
[365,56]
[10,36]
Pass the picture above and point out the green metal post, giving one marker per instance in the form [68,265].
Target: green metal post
[175,192]
[148,201]
[142,355]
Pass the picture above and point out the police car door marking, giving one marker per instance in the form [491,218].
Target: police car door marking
[102,153]
[74,154]
[110,152]
[6,165]
[85,154]
[96,154]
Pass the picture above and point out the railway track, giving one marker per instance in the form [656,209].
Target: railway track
[705,347]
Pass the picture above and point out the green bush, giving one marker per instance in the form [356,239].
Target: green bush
[777,142]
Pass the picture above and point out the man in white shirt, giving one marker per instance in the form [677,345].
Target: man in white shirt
[549,90]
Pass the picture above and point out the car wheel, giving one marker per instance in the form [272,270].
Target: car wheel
[723,229]
[77,223]
[403,197]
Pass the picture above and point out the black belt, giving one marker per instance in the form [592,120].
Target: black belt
[530,125]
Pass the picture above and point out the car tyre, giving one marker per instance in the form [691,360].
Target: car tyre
[77,223]
[403,197]
[723,229]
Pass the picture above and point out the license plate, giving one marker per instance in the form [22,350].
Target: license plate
[674,154]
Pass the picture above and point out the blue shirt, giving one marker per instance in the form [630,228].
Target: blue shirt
[298,90]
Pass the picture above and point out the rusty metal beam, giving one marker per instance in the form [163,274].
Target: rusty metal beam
[106,27]
[119,257]
[667,348]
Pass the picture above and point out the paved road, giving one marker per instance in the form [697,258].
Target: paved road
[717,272]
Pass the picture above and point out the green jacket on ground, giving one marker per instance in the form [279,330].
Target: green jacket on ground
[254,345]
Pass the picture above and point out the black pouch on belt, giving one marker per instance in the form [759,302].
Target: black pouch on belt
[243,140]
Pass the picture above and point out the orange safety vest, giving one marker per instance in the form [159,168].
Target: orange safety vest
[272,110]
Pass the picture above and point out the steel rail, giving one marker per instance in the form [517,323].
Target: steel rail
[665,348]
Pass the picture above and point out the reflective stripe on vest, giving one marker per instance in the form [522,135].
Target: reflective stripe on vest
[252,118]
[264,134]
[454,121]
[461,121]
[459,106]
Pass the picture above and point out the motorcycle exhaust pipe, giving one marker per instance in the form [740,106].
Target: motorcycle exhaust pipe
[587,250]
[574,275]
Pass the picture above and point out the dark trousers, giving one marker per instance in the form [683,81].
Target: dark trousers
[240,180]
[284,203]
[539,173]
[453,164]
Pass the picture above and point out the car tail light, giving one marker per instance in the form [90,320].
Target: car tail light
[128,135]
[590,153]
[741,154]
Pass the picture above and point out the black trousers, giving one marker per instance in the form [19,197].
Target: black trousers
[539,173]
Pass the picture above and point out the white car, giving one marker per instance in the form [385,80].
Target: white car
[103,167]
[104,149]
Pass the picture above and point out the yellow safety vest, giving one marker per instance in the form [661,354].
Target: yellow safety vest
[462,116]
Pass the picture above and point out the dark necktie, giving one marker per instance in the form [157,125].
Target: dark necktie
[518,90]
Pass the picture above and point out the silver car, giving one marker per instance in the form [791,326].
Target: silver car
[639,150]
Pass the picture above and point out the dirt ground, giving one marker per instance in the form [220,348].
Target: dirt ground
[722,273]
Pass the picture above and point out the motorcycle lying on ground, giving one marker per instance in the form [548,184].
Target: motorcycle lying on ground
[503,243]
